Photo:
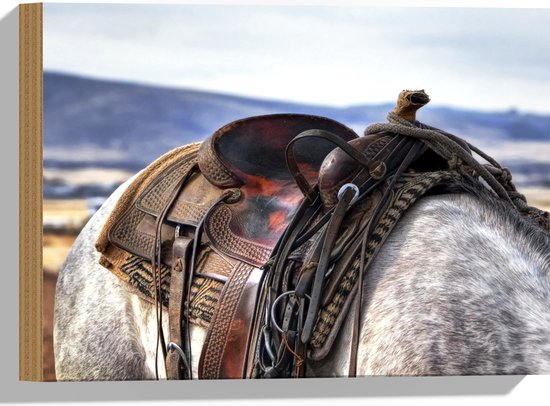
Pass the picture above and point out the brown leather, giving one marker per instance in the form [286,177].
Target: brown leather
[225,347]
[134,231]
[175,308]
[250,154]
[255,332]
[339,168]
[245,150]
[234,360]
[191,204]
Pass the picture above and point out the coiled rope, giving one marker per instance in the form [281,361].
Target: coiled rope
[449,147]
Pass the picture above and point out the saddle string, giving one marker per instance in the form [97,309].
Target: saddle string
[414,152]
[156,265]
[300,213]
[323,263]
[397,143]
[303,219]
[224,197]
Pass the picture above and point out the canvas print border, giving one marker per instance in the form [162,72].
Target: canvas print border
[30,192]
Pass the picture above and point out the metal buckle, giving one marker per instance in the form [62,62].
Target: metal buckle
[173,346]
[347,186]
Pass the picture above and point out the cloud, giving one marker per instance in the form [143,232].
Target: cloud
[477,58]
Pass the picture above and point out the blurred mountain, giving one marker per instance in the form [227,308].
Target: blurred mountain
[108,124]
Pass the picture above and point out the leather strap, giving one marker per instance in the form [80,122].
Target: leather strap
[176,363]
[294,168]
[413,152]
[319,279]
[225,350]
[240,339]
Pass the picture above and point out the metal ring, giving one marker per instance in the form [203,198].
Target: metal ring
[273,320]
[347,186]
[173,346]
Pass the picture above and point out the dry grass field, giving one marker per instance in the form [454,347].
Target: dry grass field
[63,220]
[87,176]
[538,197]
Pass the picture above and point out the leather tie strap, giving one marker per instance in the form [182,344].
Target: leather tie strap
[318,281]
[175,353]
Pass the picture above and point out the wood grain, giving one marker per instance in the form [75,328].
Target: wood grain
[30,192]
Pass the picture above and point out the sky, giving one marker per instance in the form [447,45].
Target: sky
[484,59]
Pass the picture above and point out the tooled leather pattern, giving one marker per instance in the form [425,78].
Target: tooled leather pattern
[219,328]
[219,232]
[153,199]
[192,213]
[212,168]
[125,232]
[126,235]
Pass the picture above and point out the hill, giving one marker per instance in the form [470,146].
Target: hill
[107,124]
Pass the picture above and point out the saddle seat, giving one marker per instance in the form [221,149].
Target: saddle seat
[248,157]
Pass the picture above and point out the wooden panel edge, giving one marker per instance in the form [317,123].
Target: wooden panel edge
[30,192]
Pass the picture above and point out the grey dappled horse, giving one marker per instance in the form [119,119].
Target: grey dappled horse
[461,286]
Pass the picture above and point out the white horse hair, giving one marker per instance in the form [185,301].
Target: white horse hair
[461,287]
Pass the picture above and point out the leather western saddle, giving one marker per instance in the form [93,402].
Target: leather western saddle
[261,233]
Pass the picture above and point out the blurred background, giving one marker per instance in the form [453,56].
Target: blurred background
[124,84]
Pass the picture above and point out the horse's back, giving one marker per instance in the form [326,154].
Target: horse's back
[92,313]
[454,290]
[457,289]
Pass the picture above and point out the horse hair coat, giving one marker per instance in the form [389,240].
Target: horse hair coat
[461,287]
